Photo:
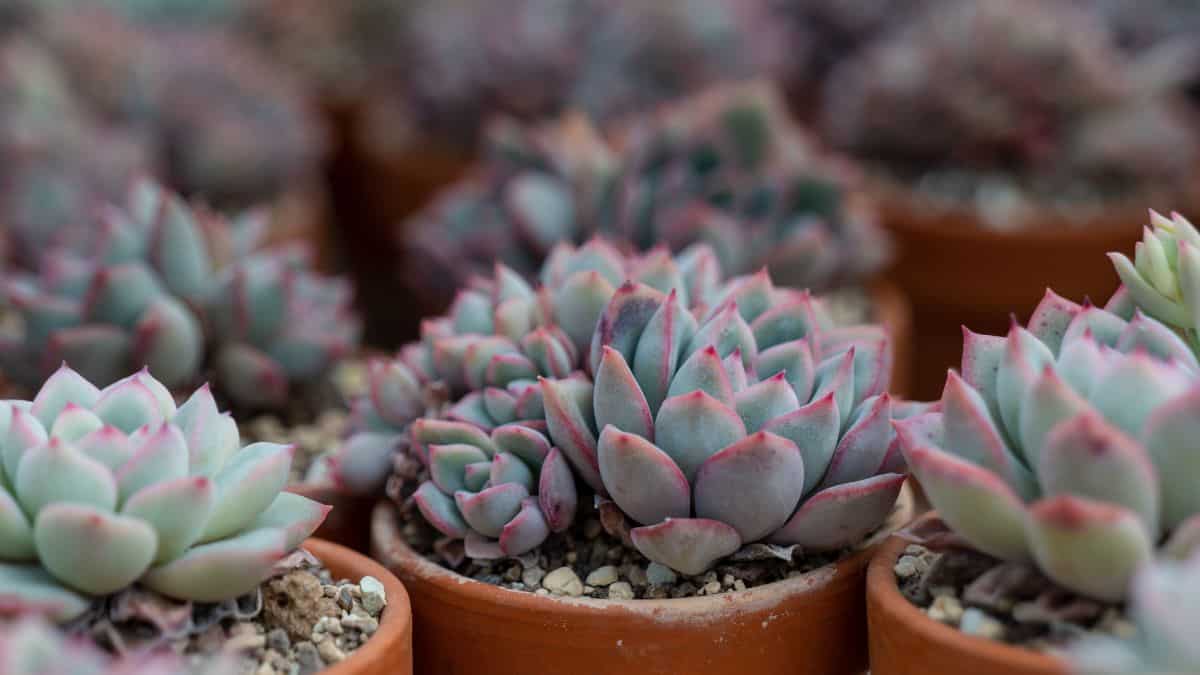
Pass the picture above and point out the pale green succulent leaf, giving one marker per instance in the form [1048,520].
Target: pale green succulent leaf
[93,550]
[222,569]
[177,509]
[246,486]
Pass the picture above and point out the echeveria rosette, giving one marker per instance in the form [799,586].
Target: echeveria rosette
[102,488]
[536,186]
[753,420]
[498,337]
[30,645]
[729,168]
[1069,444]
[1164,604]
[277,326]
[1163,279]
[129,301]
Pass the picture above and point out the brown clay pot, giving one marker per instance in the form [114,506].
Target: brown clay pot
[904,641]
[957,272]
[812,624]
[348,523]
[892,309]
[389,651]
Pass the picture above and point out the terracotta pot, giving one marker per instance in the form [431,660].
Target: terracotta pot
[957,272]
[893,310]
[812,624]
[904,641]
[349,523]
[389,651]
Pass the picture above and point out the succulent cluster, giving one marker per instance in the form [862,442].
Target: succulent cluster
[1011,106]
[1068,444]
[499,336]
[30,645]
[1163,279]
[101,488]
[728,167]
[1164,601]
[163,285]
[704,392]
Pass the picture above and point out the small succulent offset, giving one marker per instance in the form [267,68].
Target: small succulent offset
[1011,108]
[536,186]
[1163,279]
[162,285]
[102,488]
[728,167]
[498,337]
[29,645]
[1164,604]
[754,419]
[1068,444]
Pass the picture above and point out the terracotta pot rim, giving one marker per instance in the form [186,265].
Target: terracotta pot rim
[395,622]
[388,545]
[884,599]
[925,214]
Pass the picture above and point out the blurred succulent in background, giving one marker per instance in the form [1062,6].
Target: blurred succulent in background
[162,284]
[1008,107]
[752,420]
[1163,279]
[1164,602]
[60,159]
[535,186]
[277,326]
[800,41]
[729,168]
[29,645]
[127,302]
[1067,444]
[499,336]
[102,488]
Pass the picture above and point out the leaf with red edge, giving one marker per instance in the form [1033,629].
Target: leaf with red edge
[642,479]
[557,495]
[753,485]
[842,515]
[687,545]
[618,400]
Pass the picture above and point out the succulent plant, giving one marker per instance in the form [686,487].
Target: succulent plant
[103,488]
[752,420]
[1010,108]
[499,335]
[1164,601]
[29,645]
[728,167]
[162,284]
[1163,279]
[1065,444]
[536,186]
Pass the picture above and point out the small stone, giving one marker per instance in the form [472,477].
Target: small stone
[905,567]
[976,622]
[374,599]
[513,573]
[636,574]
[739,585]
[727,580]
[330,590]
[620,590]
[308,658]
[946,609]
[330,653]
[532,576]
[660,575]
[602,576]
[712,588]
[541,591]
[329,624]
[915,549]
[344,599]
[366,624]
[572,557]
[563,581]
[295,602]
[278,640]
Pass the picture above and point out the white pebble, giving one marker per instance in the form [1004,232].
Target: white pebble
[602,576]
[374,598]
[563,581]
[621,590]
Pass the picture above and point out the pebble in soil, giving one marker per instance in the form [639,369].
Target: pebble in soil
[1003,601]
[586,561]
[298,623]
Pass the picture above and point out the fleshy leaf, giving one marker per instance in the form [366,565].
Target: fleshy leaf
[439,510]
[246,486]
[216,571]
[92,550]
[177,510]
[488,511]
[693,427]
[688,545]
[526,531]
[557,495]
[842,515]
[570,431]
[618,400]
[641,478]
[753,485]
[814,429]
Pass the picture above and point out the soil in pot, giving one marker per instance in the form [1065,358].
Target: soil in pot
[961,611]
[586,603]
[308,618]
